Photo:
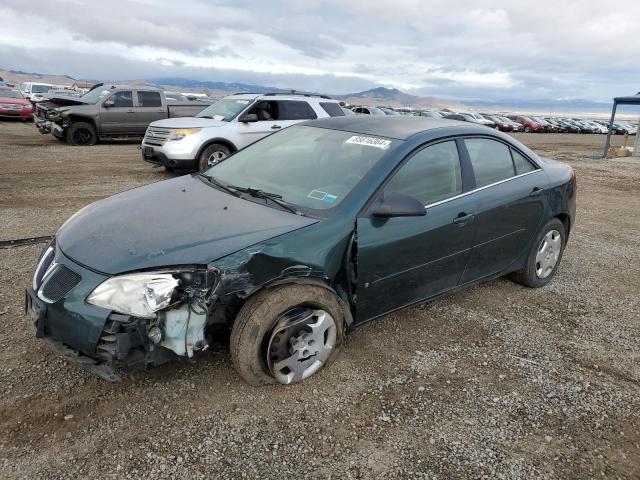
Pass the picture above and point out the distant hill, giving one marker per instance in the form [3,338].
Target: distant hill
[393,97]
[187,83]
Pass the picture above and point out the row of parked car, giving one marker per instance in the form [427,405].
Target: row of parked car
[510,122]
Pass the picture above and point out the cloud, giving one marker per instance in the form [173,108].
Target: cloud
[496,49]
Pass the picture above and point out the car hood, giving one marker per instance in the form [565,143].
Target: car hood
[188,122]
[18,101]
[174,222]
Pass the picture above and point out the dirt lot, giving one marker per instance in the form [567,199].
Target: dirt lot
[498,381]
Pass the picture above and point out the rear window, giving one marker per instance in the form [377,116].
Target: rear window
[332,109]
[149,99]
[522,164]
[293,110]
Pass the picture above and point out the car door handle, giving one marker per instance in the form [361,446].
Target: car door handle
[536,191]
[275,127]
[463,218]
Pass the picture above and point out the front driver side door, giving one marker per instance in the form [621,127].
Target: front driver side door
[119,118]
[404,260]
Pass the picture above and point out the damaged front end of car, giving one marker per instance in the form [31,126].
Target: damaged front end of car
[122,323]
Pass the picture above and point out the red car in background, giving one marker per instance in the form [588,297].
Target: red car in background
[14,105]
[528,124]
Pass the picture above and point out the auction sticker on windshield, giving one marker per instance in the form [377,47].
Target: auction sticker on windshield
[369,141]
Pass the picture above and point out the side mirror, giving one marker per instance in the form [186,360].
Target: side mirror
[248,118]
[398,205]
[108,104]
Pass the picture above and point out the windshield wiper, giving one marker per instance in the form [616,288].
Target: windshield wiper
[274,197]
[227,188]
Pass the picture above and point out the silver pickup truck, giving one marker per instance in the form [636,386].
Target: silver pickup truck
[109,112]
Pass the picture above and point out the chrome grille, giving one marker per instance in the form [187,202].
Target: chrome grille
[156,136]
[57,283]
[43,265]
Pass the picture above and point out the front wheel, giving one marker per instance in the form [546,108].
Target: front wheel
[82,134]
[212,155]
[286,334]
[544,257]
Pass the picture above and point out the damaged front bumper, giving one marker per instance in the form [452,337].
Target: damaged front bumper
[47,126]
[96,339]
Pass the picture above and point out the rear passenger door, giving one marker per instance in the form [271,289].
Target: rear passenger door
[509,206]
[120,118]
[149,109]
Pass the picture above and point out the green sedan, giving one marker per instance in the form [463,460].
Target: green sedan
[296,240]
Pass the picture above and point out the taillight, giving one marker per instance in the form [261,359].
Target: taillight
[574,180]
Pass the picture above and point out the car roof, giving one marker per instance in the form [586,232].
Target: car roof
[397,127]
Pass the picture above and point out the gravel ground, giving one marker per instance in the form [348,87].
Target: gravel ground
[497,381]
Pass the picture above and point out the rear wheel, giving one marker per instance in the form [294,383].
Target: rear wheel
[212,155]
[527,129]
[544,257]
[286,334]
[82,134]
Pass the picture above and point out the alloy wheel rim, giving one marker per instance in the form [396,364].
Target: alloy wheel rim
[548,253]
[215,157]
[300,344]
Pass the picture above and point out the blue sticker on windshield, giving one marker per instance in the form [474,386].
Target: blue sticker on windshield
[329,198]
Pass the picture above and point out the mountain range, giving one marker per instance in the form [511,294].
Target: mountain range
[382,96]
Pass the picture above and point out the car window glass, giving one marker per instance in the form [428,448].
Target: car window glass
[294,110]
[149,99]
[431,175]
[522,164]
[122,99]
[266,111]
[332,109]
[491,160]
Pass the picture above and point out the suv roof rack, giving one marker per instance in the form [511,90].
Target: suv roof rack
[292,92]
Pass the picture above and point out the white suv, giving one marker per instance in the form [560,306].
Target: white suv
[229,125]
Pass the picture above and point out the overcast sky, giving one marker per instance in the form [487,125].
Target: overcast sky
[465,49]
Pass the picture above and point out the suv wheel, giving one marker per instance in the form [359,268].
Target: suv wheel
[286,334]
[82,133]
[212,155]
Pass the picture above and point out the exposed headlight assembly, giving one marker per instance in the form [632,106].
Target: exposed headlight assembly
[137,294]
[180,133]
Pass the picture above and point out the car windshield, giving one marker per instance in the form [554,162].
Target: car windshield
[313,168]
[95,95]
[40,88]
[10,94]
[226,109]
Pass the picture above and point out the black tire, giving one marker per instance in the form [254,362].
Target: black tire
[257,318]
[528,275]
[216,149]
[82,134]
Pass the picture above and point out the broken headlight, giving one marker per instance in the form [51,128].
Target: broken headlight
[137,294]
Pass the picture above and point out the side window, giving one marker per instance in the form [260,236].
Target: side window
[491,160]
[122,99]
[431,175]
[522,164]
[332,109]
[149,99]
[294,110]
[266,111]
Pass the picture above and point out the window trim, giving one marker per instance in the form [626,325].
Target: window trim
[464,194]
